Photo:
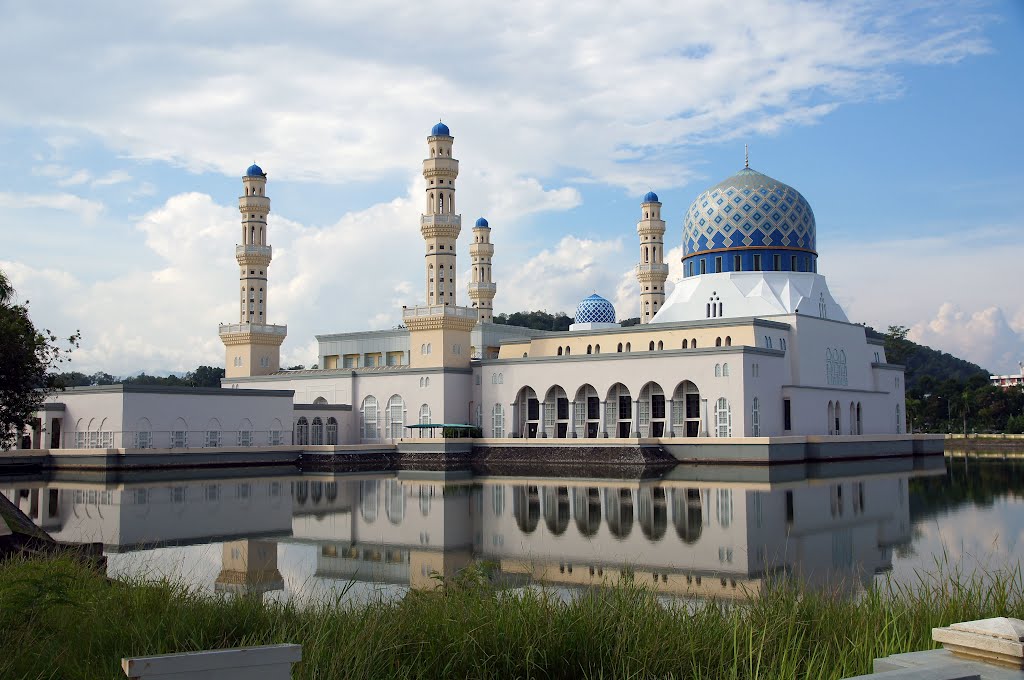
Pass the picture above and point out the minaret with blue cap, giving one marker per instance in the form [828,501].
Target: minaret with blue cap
[253,346]
[440,225]
[481,287]
[651,271]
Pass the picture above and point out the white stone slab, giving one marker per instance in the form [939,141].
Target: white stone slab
[1000,627]
[269,662]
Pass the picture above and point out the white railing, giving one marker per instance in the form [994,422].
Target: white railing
[483,286]
[265,251]
[441,219]
[652,268]
[434,310]
[230,328]
[167,439]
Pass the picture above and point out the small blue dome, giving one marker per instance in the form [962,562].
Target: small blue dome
[254,171]
[481,222]
[650,197]
[440,129]
[595,309]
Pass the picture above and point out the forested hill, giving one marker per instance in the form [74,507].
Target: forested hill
[921,361]
[538,321]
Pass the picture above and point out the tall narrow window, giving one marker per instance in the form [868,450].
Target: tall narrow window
[787,415]
[718,264]
[757,262]
[755,418]
[737,263]
[776,262]
[703,266]
[723,418]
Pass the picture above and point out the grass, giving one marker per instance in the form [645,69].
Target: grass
[60,619]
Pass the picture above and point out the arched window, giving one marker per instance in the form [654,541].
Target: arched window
[838,424]
[302,432]
[332,431]
[860,423]
[661,345]
[498,421]
[718,370]
[559,351]
[650,347]
[718,342]
[728,341]
[317,438]
[723,417]
[597,349]
[568,351]
[693,343]
[899,420]
[725,370]
[590,349]
[685,343]
[755,418]
[629,347]
[853,418]
[395,417]
[368,418]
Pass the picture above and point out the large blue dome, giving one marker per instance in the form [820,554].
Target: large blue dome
[595,309]
[750,220]
[254,171]
[481,222]
[650,197]
[440,129]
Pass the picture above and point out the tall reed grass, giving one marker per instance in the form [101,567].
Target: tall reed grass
[60,619]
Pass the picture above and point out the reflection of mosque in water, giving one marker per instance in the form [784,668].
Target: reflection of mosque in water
[686,537]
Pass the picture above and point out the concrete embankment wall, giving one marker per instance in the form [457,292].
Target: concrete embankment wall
[996,444]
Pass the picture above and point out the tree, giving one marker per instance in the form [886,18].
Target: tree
[897,347]
[26,357]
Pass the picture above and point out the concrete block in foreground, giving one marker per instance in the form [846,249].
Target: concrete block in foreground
[269,662]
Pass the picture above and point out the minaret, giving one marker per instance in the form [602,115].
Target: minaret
[440,225]
[439,332]
[253,346]
[481,288]
[651,271]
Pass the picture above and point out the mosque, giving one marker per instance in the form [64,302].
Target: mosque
[750,343]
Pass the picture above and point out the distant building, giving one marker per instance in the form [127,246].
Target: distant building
[1006,381]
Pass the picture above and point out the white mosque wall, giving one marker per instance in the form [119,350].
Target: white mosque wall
[143,416]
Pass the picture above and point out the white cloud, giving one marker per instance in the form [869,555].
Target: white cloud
[75,178]
[338,94]
[85,208]
[111,178]
[983,335]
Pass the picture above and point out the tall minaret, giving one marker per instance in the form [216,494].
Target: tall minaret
[651,271]
[440,224]
[440,332]
[481,288]
[253,346]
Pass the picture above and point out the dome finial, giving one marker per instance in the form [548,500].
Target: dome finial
[746,156]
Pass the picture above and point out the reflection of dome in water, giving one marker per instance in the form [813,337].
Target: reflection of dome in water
[595,309]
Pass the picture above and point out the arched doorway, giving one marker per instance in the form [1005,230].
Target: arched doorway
[651,411]
[653,513]
[686,410]
[556,412]
[619,411]
[619,512]
[586,505]
[527,408]
[526,508]
[687,514]
[588,412]
[556,509]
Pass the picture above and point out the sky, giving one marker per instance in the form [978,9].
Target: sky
[125,128]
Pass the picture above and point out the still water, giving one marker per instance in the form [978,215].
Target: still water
[691,531]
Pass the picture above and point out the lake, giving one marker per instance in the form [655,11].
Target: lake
[688,531]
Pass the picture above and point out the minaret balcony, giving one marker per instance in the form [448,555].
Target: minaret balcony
[263,329]
[440,220]
[481,287]
[254,250]
[256,204]
[438,310]
[440,165]
[652,270]
[481,249]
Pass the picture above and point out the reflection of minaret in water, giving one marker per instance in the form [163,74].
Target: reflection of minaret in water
[249,566]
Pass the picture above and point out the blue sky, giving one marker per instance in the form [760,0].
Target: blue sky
[124,129]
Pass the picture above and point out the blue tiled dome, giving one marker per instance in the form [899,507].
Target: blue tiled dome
[254,171]
[650,197]
[440,129]
[481,222]
[749,210]
[595,309]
